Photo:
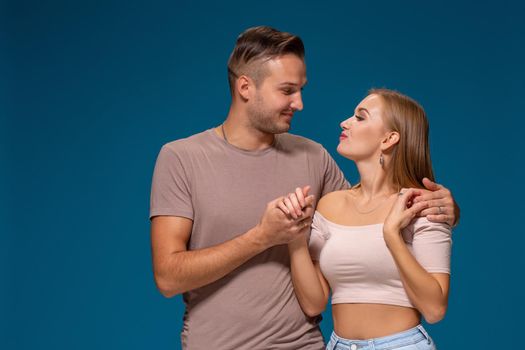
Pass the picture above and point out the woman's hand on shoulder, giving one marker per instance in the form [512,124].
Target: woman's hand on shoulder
[402,212]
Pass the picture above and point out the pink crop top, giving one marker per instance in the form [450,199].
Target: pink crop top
[359,267]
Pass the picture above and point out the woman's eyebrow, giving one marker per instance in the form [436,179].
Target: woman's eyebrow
[363,109]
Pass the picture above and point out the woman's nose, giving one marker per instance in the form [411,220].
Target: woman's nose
[344,123]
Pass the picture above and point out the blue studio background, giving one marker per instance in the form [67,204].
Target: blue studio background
[90,91]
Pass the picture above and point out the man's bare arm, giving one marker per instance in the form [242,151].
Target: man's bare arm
[178,270]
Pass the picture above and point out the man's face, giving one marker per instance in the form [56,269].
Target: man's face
[278,96]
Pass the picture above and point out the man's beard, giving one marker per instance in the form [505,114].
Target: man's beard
[263,120]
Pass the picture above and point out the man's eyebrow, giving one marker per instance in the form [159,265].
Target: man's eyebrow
[289,83]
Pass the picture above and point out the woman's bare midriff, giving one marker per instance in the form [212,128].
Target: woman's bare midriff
[365,321]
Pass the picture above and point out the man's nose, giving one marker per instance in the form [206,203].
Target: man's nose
[297,103]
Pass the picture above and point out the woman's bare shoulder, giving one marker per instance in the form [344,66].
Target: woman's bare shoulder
[332,202]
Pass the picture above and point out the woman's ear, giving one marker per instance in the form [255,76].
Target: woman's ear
[391,139]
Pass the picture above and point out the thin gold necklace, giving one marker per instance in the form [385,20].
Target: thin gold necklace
[228,142]
[224,134]
[371,210]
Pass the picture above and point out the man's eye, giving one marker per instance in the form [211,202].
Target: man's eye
[288,91]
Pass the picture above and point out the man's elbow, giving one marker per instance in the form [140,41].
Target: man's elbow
[167,288]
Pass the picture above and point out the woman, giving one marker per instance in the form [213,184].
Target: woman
[385,266]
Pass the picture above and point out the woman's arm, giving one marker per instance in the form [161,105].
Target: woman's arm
[427,291]
[310,287]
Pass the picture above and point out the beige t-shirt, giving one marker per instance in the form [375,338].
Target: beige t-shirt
[224,190]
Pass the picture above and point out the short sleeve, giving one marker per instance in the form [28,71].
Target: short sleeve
[170,188]
[318,236]
[431,244]
[334,179]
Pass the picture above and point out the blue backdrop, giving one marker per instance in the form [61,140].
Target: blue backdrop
[91,90]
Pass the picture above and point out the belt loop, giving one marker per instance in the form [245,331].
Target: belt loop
[334,340]
[425,334]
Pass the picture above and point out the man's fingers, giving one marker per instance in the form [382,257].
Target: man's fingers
[283,207]
[431,185]
[436,203]
[275,202]
[439,218]
[428,195]
[416,208]
[440,205]
[427,211]
[434,210]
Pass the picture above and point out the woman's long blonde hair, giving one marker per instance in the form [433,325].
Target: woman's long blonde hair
[411,155]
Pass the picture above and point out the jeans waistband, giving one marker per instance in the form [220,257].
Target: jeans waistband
[409,336]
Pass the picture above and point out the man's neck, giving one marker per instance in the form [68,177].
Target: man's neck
[237,132]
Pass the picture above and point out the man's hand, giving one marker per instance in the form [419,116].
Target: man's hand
[441,206]
[277,226]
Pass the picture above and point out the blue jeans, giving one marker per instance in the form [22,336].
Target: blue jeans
[413,339]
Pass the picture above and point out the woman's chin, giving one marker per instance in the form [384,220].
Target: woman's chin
[343,152]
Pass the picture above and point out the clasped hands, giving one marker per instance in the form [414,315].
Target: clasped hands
[287,218]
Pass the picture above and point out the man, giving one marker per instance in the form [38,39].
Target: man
[217,234]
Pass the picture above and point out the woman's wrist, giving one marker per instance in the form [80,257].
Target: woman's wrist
[297,244]
[392,237]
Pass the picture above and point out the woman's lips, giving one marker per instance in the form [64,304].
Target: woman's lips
[343,136]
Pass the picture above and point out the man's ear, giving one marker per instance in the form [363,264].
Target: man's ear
[390,140]
[244,86]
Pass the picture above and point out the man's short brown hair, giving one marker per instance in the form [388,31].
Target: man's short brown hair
[257,45]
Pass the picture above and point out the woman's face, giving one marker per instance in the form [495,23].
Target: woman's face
[363,132]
